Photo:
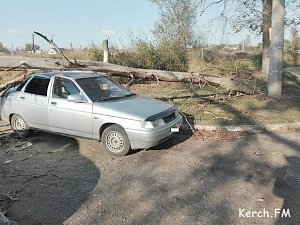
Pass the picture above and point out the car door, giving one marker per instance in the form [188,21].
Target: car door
[32,102]
[67,117]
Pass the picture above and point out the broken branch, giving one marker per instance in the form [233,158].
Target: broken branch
[70,64]
[38,176]
[54,45]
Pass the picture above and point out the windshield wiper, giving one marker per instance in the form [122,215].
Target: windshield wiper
[114,98]
[131,94]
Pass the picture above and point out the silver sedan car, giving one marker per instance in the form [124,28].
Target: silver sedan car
[90,105]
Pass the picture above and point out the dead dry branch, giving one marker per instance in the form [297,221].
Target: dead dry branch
[7,199]
[192,128]
[38,176]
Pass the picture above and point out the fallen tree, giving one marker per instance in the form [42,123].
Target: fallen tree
[14,62]
[47,64]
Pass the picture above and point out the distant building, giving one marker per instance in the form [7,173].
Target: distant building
[53,51]
[36,51]
[232,47]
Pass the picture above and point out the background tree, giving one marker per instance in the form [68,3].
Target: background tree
[176,31]
[4,49]
[255,16]
[28,47]
[176,22]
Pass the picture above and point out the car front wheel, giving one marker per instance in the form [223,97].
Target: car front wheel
[115,140]
[19,126]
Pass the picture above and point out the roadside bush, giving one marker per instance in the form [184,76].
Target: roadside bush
[170,56]
[291,58]
[78,54]
[149,55]
[3,49]
[216,60]
[95,53]
[257,60]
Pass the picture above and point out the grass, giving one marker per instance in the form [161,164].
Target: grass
[6,76]
[291,59]
[256,110]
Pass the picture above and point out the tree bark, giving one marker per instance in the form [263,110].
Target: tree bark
[267,15]
[276,50]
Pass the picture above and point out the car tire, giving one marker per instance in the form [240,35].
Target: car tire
[19,126]
[115,140]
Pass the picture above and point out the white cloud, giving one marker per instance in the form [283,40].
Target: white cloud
[14,32]
[108,32]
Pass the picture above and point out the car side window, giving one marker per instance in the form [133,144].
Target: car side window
[63,87]
[38,86]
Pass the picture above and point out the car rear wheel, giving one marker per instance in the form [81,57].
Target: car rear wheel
[115,140]
[19,126]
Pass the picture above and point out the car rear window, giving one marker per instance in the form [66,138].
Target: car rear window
[20,86]
[38,86]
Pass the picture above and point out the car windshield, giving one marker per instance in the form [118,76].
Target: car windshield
[102,88]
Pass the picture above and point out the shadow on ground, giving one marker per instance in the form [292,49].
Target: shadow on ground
[51,178]
[205,184]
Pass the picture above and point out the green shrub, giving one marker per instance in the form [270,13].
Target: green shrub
[95,53]
[257,60]
[149,55]
[4,49]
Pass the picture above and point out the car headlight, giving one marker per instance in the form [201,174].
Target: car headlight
[152,124]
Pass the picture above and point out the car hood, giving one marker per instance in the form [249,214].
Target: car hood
[135,107]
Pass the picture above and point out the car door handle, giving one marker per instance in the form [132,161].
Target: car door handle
[22,97]
[53,103]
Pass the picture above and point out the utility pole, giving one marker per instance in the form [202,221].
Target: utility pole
[32,47]
[276,49]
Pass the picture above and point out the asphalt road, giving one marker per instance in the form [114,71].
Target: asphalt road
[217,180]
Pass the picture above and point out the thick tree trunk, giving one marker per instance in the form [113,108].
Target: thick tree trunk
[229,83]
[267,15]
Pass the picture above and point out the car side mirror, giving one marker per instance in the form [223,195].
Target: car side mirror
[75,98]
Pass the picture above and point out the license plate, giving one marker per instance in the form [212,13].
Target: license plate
[174,129]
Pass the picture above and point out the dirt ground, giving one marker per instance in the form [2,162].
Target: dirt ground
[51,179]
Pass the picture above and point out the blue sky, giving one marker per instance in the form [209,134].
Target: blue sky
[83,22]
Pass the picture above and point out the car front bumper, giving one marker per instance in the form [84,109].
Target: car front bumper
[143,139]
